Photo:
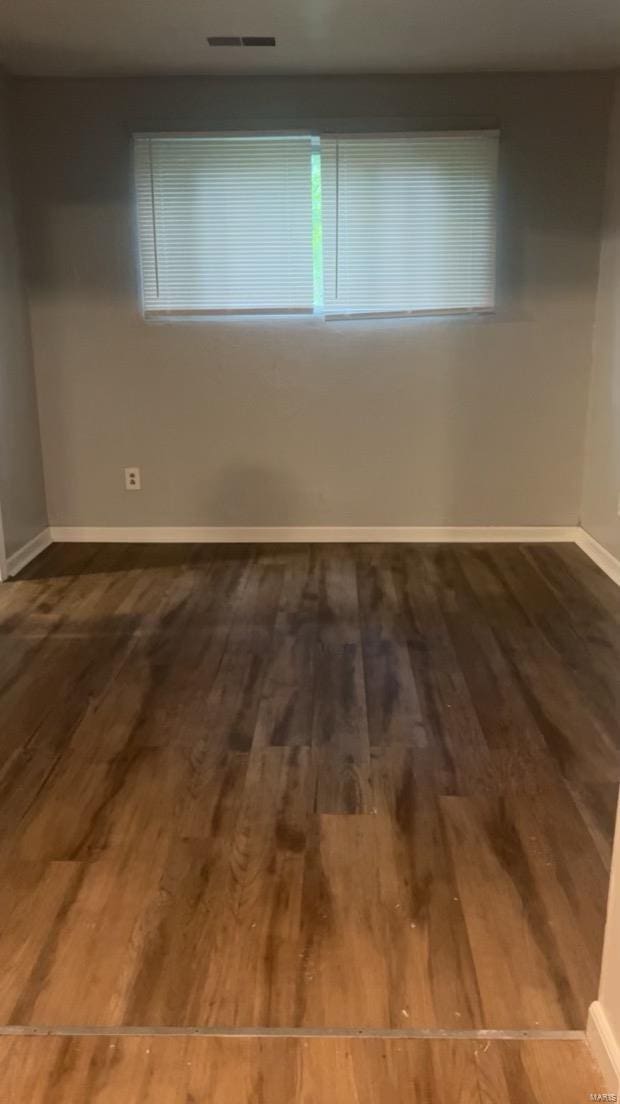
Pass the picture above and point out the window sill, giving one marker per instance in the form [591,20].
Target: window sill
[253,317]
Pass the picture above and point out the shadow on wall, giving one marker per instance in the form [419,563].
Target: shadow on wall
[251,494]
[74,143]
[28,56]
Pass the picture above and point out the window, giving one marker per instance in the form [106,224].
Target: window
[225,224]
[338,226]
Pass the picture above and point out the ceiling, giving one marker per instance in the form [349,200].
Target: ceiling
[83,37]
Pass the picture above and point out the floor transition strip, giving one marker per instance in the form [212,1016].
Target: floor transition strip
[292,1032]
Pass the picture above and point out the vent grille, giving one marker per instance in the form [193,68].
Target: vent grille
[241,40]
[223,40]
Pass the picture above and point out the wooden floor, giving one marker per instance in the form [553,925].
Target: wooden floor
[304,786]
[285,1071]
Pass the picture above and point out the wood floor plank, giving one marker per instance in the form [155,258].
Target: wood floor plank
[570,629]
[520,759]
[582,747]
[392,699]
[306,786]
[160,1070]
[457,758]
[424,915]
[286,708]
[503,858]
[340,721]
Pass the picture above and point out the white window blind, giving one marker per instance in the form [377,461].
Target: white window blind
[409,222]
[340,226]
[225,224]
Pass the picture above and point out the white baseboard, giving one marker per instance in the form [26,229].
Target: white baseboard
[608,563]
[414,534]
[212,534]
[604,1046]
[27,552]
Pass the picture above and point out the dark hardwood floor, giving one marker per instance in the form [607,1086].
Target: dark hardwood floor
[306,785]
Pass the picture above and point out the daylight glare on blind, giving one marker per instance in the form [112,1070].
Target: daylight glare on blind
[335,225]
[225,224]
[409,222]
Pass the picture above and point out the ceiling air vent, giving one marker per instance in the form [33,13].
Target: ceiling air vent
[244,40]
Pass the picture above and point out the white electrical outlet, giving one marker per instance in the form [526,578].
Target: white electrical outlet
[132,479]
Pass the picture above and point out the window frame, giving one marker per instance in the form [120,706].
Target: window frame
[240,315]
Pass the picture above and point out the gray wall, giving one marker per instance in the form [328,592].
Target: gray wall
[305,422]
[601,487]
[22,496]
